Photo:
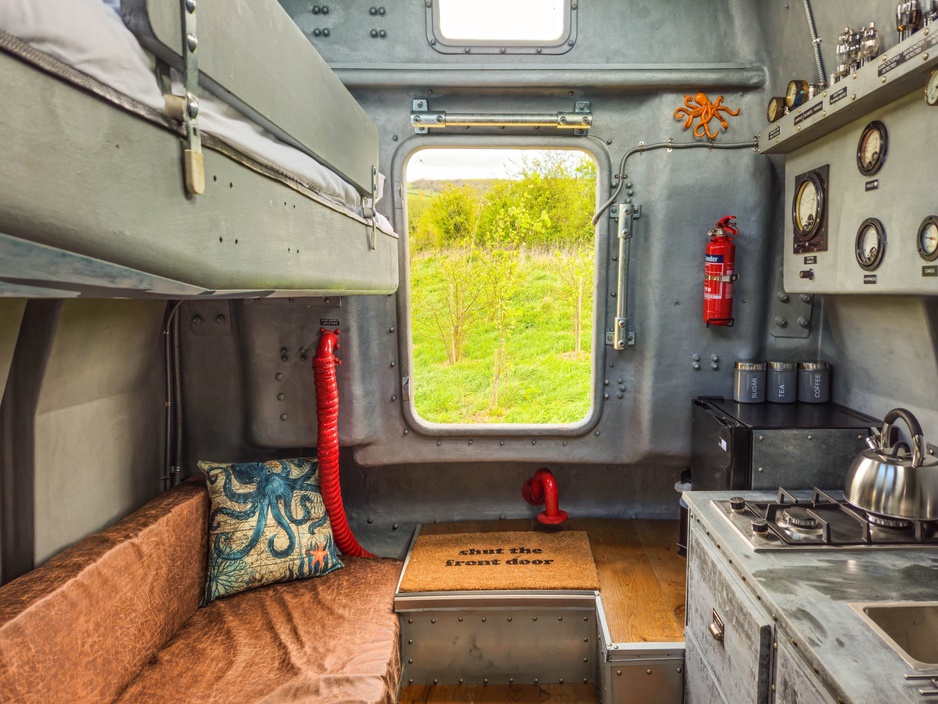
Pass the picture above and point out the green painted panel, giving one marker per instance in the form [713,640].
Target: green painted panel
[263,63]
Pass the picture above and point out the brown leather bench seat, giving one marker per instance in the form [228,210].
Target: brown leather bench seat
[116,618]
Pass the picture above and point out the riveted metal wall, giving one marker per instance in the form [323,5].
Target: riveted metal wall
[635,62]
[469,644]
[884,348]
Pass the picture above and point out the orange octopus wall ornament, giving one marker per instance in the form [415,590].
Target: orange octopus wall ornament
[699,106]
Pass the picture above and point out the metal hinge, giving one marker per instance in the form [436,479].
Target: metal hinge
[578,122]
[405,388]
[611,337]
[636,210]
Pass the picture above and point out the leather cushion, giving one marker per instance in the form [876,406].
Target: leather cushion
[268,524]
[334,639]
[80,627]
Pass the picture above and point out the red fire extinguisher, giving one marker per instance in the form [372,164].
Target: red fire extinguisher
[720,273]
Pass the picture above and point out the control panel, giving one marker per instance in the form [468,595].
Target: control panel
[860,172]
[863,214]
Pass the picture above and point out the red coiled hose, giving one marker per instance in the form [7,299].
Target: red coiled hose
[327,444]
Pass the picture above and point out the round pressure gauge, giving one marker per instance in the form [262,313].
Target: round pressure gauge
[871,149]
[931,89]
[871,244]
[808,207]
[797,93]
[928,239]
[776,109]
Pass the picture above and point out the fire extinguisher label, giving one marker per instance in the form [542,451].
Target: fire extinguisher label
[714,259]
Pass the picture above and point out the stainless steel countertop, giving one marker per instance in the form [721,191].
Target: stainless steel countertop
[809,592]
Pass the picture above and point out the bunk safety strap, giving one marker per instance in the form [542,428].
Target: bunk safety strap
[185,108]
[192,157]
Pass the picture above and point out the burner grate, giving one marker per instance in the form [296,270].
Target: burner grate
[823,520]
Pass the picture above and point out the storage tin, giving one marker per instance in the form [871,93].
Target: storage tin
[749,382]
[781,382]
[814,382]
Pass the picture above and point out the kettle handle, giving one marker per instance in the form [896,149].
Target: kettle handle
[915,429]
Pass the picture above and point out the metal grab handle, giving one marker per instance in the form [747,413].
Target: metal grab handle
[620,330]
[560,120]
[915,430]
[716,627]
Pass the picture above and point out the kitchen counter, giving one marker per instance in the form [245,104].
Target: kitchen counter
[808,593]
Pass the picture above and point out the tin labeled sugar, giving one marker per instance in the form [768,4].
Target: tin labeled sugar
[749,382]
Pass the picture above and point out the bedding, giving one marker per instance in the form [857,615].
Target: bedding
[90,36]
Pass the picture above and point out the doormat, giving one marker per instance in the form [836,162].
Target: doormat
[488,561]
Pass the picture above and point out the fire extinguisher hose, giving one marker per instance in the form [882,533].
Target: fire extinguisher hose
[327,444]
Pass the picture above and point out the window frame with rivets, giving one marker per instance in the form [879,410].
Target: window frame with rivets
[501,32]
[502,294]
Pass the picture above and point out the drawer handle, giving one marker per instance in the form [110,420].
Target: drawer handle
[716,627]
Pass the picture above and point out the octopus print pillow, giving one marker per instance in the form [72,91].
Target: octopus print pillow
[267,524]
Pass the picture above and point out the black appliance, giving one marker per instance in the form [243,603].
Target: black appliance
[768,445]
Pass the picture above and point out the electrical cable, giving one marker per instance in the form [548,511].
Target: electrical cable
[642,148]
[170,387]
[176,475]
[816,43]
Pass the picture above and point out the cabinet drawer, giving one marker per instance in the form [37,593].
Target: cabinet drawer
[734,636]
[700,686]
[794,682]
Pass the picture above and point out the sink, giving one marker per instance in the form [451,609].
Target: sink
[909,627]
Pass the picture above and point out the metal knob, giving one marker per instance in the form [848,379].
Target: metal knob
[760,526]
[737,503]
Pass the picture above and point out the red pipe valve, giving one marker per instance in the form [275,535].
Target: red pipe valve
[542,489]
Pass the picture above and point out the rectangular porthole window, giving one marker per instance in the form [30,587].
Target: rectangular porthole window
[501,26]
[502,280]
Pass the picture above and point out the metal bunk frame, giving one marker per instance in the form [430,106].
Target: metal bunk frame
[92,194]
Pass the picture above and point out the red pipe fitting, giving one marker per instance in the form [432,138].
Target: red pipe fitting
[542,489]
[327,444]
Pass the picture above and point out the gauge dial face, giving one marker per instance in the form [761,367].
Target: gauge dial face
[796,94]
[871,244]
[928,239]
[931,89]
[776,109]
[807,208]
[871,150]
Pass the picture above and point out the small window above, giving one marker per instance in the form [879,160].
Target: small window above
[501,26]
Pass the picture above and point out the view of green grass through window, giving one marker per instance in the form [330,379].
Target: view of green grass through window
[501,284]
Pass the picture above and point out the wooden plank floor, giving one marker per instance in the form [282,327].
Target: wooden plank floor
[500,694]
[641,576]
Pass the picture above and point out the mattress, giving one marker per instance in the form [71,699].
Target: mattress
[90,36]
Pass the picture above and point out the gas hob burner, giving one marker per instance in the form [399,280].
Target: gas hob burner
[798,518]
[884,522]
[819,521]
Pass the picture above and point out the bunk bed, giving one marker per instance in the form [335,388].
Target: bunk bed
[147,154]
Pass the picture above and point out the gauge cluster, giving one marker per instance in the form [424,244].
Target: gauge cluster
[863,217]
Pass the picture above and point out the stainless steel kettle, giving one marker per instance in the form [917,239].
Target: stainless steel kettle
[883,482]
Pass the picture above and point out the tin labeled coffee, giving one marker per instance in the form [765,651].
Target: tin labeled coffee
[749,382]
[781,382]
[814,382]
